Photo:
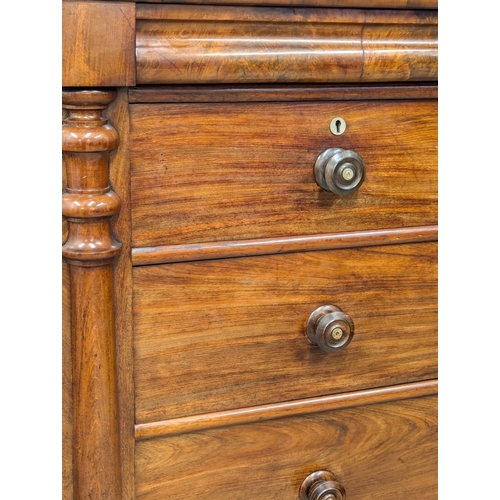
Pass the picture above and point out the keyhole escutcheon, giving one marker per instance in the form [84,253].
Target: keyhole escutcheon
[337,126]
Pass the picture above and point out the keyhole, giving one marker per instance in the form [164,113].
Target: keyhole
[337,126]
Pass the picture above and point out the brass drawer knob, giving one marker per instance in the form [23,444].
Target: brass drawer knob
[330,328]
[321,485]
[339,171]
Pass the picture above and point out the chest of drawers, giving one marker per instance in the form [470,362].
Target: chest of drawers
[250,250]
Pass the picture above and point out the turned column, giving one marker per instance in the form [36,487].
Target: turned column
[88,204]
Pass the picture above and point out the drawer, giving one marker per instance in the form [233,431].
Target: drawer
[386,450]
[223,334]
[216,171]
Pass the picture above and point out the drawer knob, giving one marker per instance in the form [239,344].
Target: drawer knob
[321,485]
[339,171]
[330,328]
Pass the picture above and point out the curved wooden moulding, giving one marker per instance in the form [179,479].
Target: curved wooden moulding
[278,92]
[374,4]
[262,413]
[209,51]
[283,14]
[268,246]
[88,204]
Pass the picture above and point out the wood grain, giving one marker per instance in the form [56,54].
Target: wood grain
[96,459]
[88,204]
[283,14]
[385,451]
[98,43]
[242,248]
[217,335]
[215,172]
[275,92]
[172,52]
[197,423]
[67,391]
[374,4]
[119,174]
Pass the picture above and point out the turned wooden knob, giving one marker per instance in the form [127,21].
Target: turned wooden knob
[339,171]
[321,485]
[330,328]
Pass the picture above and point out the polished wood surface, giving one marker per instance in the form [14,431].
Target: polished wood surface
[197,243]
[307,406]
[237,327]
[96,454]
[382,4]
[119,175]
[67,391]
[88,204]
[286,14]
[275,92]
[386,450]
[214,172]
[244,52]
[242,248]
[98,43]
[377,4]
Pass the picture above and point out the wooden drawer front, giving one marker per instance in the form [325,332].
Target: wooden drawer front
[215,52]
[211,172]
[379,451]
[225,334]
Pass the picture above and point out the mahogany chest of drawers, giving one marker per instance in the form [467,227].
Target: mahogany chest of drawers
[250,250]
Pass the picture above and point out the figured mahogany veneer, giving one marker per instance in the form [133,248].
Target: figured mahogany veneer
[239,52]
[238,327]
[386,450]
[247,169]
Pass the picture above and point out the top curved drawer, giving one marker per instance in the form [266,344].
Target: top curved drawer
[331,49]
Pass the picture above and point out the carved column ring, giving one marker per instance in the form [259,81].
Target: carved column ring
[85,130]
[96,99]
[91,138]
[89,202]
[90,205]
